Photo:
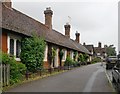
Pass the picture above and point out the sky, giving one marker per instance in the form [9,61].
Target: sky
[95,20]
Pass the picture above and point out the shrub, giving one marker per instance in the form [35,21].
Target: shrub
[32,52]
[61,53]
[81,58]
[96,59]
[85,57]
[16,69]
[75,55]
[68,61]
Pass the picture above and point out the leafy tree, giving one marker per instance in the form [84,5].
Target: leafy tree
[32,52]
[75,55]
[53,55]
[110,50]
[81,58]
[68,61]
[61,53]
[85,57]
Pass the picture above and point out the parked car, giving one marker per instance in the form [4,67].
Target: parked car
[116,75]
[111,61]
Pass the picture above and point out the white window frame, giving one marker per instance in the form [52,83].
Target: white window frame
[64,55]
[15,38]
[45,53]
[71,54]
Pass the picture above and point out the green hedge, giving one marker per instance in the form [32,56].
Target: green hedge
[17,70]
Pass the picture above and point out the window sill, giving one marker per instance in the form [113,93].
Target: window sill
[17,59]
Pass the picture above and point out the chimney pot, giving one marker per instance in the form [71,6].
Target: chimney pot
[48,17]
[77,37]
[84,43]
[67,30]
[99,45]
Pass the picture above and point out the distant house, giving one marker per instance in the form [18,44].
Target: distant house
[96,51]
[90,48]
[16,25]
[100,52]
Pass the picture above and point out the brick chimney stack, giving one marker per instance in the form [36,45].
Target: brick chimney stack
[7,3]
[84,43]
[48,17]
[67,30]
[99,45]
[77,37]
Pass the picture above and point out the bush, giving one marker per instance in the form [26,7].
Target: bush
[16,69]
[81,58]
[96,59]
[32,53]
[76,64]
[68,61]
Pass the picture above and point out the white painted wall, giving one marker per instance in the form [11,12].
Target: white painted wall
[45,53]
[71,54]
[56,58]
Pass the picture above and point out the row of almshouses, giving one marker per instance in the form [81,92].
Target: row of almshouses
[16,25]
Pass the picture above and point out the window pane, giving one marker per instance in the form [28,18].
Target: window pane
[18,48]
[11,47]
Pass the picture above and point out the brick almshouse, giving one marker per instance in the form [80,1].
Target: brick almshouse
[16,25]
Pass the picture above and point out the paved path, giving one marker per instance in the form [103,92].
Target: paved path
[90,78]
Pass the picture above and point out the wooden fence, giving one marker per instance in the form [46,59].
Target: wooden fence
[5,73]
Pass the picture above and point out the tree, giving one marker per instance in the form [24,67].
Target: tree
[110,50]
[61,53]
[75,55]
[85,57]
[81,58]
[53,55]
[32,52]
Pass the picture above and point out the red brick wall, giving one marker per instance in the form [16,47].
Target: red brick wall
[4,42]
[46,65]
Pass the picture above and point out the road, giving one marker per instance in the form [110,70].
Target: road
[90,78]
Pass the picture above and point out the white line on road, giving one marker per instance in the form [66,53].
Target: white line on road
[90,82]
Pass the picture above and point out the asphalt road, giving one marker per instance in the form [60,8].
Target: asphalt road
[90,78]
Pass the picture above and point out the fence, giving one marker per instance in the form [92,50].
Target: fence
[5,73]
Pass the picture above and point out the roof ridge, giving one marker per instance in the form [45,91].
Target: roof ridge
[13,9]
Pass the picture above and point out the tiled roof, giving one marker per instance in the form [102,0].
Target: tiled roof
[89,47]
[20,23]
[99,50]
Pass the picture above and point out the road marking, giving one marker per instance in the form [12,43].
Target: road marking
[90,82]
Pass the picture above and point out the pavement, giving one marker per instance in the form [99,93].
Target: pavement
[109,76]
[90,78]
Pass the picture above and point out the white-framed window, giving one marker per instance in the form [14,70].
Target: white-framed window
[64,55]
[18,48]
[14,46]
[11,47]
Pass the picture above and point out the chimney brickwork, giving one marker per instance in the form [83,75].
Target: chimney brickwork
[7,3]
[99,45]
[48,18]
[77,37]
[67,30]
